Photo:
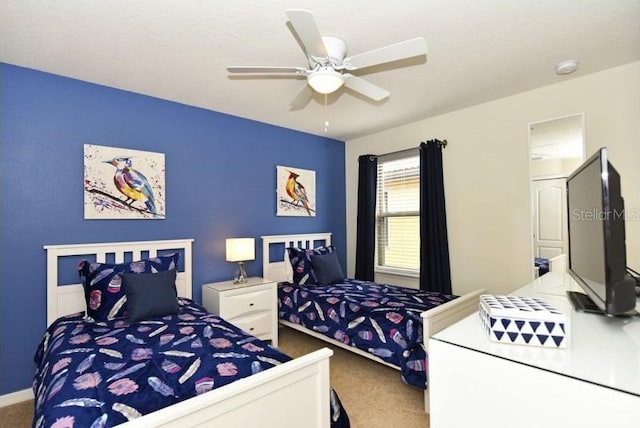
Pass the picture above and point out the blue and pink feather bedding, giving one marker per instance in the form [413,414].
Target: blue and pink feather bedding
[381,319]
[101,374]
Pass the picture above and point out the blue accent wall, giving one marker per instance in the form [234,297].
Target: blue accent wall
[220,183]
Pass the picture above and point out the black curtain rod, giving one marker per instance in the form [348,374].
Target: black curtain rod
[442,143]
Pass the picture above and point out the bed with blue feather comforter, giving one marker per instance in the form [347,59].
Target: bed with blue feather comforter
[101,374]
[383,320]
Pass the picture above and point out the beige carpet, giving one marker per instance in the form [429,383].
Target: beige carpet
[373,394]
[17,416]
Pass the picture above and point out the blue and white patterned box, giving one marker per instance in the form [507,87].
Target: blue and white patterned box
[523,321]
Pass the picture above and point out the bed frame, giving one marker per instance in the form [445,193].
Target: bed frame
[302,383]
[433,320]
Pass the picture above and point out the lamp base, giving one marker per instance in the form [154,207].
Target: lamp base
[241,274]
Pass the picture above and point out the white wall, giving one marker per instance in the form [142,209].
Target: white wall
[486,170]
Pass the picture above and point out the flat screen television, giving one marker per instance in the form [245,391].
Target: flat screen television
[597,253]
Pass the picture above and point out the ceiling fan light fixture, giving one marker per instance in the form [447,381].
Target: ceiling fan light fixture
[326,80]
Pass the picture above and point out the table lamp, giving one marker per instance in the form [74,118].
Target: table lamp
[240,250]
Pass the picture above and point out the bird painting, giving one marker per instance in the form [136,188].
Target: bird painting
[132,183]
[297,192]
[294,197]
[134,190]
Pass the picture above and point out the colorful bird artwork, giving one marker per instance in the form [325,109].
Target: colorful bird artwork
[132,183]
[134,190]
[297,192]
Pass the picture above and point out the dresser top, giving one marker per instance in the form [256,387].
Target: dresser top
[601,350]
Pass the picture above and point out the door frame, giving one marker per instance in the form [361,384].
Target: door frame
[530,184]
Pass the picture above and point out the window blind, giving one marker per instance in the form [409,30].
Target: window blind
[398,212]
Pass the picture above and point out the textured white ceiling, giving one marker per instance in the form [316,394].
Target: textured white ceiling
[177,50]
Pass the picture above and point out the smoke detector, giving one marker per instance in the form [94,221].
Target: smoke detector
[566,67]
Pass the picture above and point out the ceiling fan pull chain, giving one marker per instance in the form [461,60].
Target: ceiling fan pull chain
[326,114]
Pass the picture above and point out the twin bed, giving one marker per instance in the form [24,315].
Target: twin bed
[168,358]
[385,323]
[85,374]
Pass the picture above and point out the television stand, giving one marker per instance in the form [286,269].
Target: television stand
[583,303]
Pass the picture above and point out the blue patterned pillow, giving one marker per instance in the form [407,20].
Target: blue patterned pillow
[103,292]
[300,258]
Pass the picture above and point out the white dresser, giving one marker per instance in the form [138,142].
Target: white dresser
[252,306]
[593,382]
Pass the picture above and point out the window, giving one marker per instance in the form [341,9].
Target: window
[398,213]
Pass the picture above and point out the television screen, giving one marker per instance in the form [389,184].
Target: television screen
[597,254]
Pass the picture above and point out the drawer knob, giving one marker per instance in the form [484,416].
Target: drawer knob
[250,304]
[251,329]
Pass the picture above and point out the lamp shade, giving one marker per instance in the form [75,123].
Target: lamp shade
[240,249]
[326,80]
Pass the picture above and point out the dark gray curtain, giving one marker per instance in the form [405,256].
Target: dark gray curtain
[366,223]
[435,270]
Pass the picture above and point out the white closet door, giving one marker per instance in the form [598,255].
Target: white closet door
[550,217]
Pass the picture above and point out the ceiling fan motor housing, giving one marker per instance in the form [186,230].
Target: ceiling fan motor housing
[336,52]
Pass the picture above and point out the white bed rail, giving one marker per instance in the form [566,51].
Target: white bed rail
[291,395]
[444,315]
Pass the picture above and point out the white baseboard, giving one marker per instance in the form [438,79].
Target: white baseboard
[16,397]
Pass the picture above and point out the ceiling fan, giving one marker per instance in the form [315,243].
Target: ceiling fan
[329,66]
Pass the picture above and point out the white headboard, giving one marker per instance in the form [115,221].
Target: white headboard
[66,299]
[277,270]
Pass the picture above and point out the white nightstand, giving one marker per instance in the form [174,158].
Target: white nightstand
[252,306]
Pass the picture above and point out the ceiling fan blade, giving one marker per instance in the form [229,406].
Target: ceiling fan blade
[364,87]
[305,25]
[407,49]
[267,70]
[302,99]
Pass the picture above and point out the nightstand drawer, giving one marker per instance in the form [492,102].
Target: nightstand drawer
[247,303]
[256,325]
